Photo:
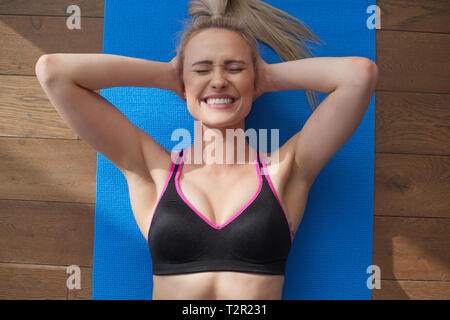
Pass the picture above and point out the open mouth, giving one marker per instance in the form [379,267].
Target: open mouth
[222,103]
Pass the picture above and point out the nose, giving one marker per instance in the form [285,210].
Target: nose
[218,80]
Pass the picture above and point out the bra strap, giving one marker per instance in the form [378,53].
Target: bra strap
[177,164]
[261,169]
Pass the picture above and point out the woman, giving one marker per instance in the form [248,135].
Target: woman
[210,237]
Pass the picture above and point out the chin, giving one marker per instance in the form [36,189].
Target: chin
[220,121]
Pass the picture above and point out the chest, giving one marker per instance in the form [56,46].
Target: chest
[219,199]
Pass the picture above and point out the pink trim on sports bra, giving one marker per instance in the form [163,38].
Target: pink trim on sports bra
[164,190]
[266,173]
[177,184]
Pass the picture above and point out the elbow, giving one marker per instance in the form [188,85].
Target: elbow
[363,71]
[46,68]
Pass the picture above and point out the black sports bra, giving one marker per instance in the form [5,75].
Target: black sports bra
[255,239]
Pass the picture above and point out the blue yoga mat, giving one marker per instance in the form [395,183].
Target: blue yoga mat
[333,245]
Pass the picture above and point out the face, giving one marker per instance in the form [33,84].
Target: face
[218,61]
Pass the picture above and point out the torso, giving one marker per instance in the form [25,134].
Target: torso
[208,197]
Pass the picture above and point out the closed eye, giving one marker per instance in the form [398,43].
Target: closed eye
[234,70]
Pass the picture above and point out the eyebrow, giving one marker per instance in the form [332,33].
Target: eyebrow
[226,62]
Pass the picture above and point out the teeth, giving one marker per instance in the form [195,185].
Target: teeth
[219,101]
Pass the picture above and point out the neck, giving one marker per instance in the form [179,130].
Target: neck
[224,147]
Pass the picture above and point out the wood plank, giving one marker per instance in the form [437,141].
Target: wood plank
[26,38]
[417,15]
[412,248]
[47,170]
[85,292]
[23,281]
[413,61]
[412,290]
[89,8]
[48,233]
[412,185]
[412,123]
[27,112]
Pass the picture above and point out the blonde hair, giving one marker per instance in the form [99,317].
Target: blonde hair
[253,20]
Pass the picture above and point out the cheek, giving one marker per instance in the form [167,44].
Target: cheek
[248,83]
[193,85]
[247,88]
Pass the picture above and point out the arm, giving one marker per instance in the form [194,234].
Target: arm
[69,80]
[350,82]
[323,74]
[100,71]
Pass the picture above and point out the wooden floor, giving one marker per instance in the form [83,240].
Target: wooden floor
[48,175]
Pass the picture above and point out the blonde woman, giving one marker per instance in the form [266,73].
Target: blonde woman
[215,229]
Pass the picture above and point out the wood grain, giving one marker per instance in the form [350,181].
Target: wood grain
[88,8]
[26,38]
[23,281]
[412,185]
[412,248]
[412,123]
[46,232]
[417,15]
[47,170]
[27,112]
[412,61]
[412,290]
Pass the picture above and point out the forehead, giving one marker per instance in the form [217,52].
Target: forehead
[217,44]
